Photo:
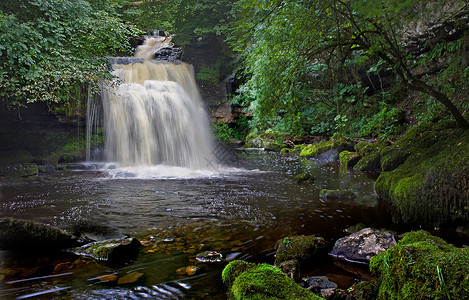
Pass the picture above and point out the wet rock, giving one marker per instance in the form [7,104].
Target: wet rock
[320,285]
[300,247]
[111,251]
[108,278]
[291,268]
[130,278]
[337,194]
[24,235]
[46,169]
[303,177]
[169,54]
[209,257]
[361,246]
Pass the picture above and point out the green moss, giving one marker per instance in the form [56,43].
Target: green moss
[432,184]
[316,149]
[369,163]
[392,157]
[363,148]
[298,247]
[263,281]
[303,177]
[348,159]
[421,266]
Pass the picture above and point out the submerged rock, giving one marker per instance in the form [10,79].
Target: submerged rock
[24,235]
[320,285]
[362,245]
[209,257]
[130,278]
[111,251]
[261,281]
[337,194]
[303,177]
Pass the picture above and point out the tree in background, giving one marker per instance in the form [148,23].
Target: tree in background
[305,61]
[51,48]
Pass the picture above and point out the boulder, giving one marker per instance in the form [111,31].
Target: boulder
[25,235]
[362,245]
[420,266]
[349,159]
[111,251]
[261,281]
[209,257]
[320,285]
[337,194]
[299,247]
[19,170]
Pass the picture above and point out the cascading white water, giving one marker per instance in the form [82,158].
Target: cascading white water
[155,116]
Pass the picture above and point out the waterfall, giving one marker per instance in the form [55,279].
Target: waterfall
[154,114]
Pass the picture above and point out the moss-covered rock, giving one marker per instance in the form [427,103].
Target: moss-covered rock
[111,251]
[298,247]
[19,170]
[420,266]
[432,184]
[261,281]
[337,194]
[348,159]
[303,177]
[336,144]
[392,157]
[369,163]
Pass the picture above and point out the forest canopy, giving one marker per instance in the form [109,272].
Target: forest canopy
[305,67]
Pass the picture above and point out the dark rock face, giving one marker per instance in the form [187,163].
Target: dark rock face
[361,246]
[111,251]
[21,235]
[169,54]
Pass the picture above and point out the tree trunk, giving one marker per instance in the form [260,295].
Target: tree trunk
[427,89]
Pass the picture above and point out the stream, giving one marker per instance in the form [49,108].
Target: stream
[239,211]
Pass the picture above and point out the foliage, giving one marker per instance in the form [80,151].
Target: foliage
[48,47]
[308,64]
[233,131]
[210,74]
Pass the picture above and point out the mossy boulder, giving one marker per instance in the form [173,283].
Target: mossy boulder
[298,247]
[392,157]
[369,163]
[432,184]
[349,159]
[261,281]
[420,266]
[337,194]
[23,235]
[303,177]
[111,251]
[23,170]
[335,145]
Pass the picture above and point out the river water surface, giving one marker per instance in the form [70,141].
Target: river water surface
[240,212]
